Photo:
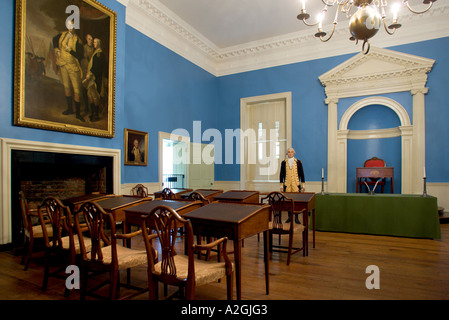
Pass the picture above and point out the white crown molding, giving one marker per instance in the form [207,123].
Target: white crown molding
[162,25]
[370,74]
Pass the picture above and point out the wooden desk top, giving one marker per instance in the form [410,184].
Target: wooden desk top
[146,207]
[176,190]
[204,192]
[86,197]
[300,196]
[225,212]
[236,195]
[114,203]
[374,172]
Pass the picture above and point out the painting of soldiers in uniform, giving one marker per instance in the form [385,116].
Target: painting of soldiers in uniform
[65,66]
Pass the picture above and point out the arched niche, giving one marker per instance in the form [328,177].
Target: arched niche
[380,72]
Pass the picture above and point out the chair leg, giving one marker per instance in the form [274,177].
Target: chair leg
[290,245]
[114,277]
[46,270]
[84,273]
[229,285]
[28,253]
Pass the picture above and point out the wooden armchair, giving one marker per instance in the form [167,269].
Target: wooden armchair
[60,242]
[105,254]
[140,190]
[374,162]
[279,203]
[183,271]
[31,231]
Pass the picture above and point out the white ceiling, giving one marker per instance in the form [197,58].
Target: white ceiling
[231,36]
[228,23]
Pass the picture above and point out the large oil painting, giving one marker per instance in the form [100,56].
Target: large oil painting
[64,76]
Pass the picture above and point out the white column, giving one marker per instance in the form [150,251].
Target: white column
[407,159]
[332,162]
[342,162]
[419,138]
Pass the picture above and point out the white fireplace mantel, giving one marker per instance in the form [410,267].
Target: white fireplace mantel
[7,145]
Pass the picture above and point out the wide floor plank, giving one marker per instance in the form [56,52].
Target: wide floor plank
[409,269]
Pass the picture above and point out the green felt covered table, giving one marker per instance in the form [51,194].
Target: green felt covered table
[381,214]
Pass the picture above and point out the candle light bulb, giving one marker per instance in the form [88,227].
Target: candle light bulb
[395,9]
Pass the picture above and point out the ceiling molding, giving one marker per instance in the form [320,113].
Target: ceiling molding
[162,25]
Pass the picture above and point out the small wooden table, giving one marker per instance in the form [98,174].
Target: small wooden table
[206,193]
[134,214]
[374,172]
[117,205]
[304,200]
[75,202]
[235,221]
[177,191]
[241,196]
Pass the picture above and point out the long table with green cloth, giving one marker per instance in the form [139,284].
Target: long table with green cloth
[401,215]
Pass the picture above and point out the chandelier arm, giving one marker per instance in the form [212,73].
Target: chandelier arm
[330,36]
[386,29]
[418,12]
[310,24]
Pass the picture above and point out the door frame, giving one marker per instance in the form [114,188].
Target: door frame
[245,104]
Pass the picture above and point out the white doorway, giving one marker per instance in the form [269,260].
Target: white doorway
[173,160]
[266,135]
[201,166]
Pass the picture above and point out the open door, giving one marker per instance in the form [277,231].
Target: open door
[201,166]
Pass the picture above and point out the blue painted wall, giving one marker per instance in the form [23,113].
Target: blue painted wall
[157,90]
[309,112]
[164,92]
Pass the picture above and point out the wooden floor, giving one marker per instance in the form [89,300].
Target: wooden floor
[410,269]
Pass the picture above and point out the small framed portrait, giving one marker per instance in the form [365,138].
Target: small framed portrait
[64,77]
[136,148]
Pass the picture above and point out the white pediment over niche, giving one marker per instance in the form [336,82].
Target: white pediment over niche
[379,71]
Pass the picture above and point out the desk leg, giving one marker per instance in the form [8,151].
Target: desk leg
[313,221]
[238,267]
[266,259]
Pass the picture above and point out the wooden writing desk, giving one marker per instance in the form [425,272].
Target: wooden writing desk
[304,200]
[236,222]
[206,193]
[75,202]
[177,191]
[134,214]
[117,205]
[374,172]
[242,196]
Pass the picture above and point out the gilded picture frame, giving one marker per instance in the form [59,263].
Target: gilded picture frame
[136,148]
[64,77]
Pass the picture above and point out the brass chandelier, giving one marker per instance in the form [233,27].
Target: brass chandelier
[365,22]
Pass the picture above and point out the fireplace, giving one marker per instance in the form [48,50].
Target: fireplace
[46,169]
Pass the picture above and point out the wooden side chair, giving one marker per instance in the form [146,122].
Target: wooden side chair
[139,190]
[183,271]
[194,195]
[60,243]
[375,162]
[279,203]
[31,230]
[167,193]
[105,255]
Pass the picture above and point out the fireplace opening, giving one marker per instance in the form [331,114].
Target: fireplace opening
[42,174]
